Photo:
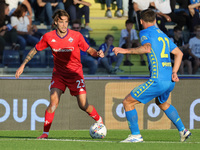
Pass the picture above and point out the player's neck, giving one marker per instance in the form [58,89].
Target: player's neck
[61,34]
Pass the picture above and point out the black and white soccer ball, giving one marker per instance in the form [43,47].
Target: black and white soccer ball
[98,131]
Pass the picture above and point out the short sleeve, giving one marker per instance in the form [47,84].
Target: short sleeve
[172,45]
[144,37]
[82,43]
[42,44]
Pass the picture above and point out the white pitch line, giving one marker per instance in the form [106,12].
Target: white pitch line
[73,140]
[62,140]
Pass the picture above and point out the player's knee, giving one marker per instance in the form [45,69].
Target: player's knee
[83,107]
[164,106]
[125,102]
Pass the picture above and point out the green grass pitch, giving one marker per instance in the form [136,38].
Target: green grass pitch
[81,140]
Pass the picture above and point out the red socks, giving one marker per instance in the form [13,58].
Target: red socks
[94,114]
[48,120]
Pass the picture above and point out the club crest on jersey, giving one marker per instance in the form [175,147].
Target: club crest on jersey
[70,39]
[143,38]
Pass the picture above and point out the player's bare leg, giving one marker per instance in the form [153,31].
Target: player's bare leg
[172,114]
[131,114]
[90,109]
[50,111]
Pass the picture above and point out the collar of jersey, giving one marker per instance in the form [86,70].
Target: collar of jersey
[63,36]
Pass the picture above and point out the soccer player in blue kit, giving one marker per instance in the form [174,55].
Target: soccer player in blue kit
[157,46]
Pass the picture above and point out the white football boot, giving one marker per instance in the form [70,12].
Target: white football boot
[133,139]
[185,134]
[100,121]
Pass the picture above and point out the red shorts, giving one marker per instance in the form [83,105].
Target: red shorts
[76,84]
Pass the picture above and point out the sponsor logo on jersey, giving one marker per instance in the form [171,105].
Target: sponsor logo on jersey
[70,39]
[66,49]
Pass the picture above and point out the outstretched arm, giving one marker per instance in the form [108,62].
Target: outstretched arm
[146,48]
[26,60]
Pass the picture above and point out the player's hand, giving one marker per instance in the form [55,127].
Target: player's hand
[117,50]
[100,53]
[175,77]
[19,71]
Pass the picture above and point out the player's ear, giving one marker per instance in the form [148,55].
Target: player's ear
[154,22]
[141,21]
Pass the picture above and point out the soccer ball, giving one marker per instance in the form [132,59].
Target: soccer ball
[98,131]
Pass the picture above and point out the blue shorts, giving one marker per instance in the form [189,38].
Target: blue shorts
[152,89]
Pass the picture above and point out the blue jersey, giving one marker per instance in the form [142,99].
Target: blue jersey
[159,58]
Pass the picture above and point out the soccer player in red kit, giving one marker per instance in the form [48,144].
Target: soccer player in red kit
[67,72]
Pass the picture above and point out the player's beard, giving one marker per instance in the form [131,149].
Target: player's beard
[62,31]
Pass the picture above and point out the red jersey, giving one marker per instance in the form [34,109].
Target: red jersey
[65,50]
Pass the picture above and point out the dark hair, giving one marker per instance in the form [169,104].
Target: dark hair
[20,10]
[128,21]
[108,36]
[148,15]
[58,14]
[77,21]
[196,27]
[177,28]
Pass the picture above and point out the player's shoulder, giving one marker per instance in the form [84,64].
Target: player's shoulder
[151,31]
[74,33]
[144,32]
[49,34]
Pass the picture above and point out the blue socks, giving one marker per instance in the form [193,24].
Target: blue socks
[132,119]
[172,114]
